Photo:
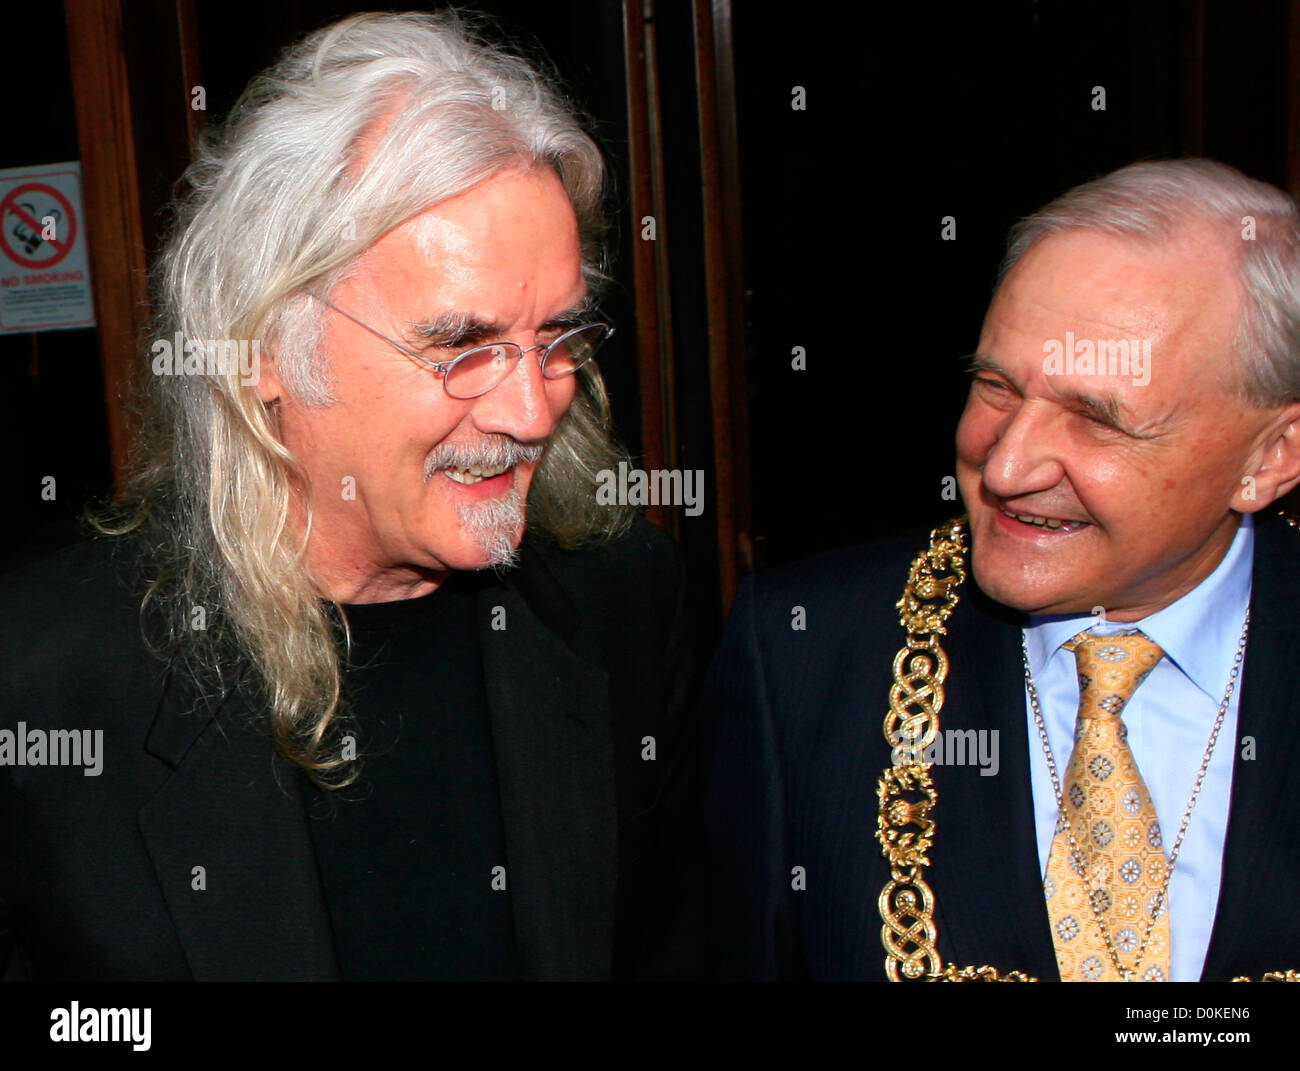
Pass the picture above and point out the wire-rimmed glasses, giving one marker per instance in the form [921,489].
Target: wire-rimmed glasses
[480,368]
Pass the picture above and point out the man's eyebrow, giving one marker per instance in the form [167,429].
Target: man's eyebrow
[1112,410]
[579,312]
[1107,407]
[463,325]
[982,362]
[452,324]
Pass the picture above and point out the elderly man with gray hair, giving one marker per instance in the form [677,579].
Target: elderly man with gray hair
[383,691]
[1089,718]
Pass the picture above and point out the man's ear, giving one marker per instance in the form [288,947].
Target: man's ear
[269,387]
[1278,470]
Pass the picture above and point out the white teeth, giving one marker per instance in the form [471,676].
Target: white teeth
[1052,523]
[474,474]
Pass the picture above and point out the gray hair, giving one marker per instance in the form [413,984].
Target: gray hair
[1151,202]
[355,129]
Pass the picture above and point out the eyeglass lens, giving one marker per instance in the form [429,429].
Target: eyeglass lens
[479,370]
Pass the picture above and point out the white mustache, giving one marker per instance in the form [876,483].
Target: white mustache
[497,451]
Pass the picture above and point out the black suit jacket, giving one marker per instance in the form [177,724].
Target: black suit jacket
[95,872]
[800,747]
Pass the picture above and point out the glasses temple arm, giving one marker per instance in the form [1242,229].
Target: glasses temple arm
[437,366]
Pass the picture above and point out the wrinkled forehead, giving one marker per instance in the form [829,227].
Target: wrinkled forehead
[1182,295]
[504,252]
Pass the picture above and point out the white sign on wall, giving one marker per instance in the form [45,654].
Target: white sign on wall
[44,267]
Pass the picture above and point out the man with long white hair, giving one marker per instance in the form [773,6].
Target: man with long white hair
[377,689]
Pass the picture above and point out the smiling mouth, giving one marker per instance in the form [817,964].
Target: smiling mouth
[475,473]
[1050,524]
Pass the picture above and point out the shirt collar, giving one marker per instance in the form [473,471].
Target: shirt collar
[1191,631]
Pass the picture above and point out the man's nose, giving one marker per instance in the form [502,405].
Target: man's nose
[518,406]
[1025,457]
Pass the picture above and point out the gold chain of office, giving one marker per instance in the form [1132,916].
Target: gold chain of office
[907,793]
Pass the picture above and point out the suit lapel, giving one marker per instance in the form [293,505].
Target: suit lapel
[554,748]
[255,909]
[991,908]
[1259,851]
[235,810]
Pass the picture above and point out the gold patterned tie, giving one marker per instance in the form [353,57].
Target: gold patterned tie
[1106,873]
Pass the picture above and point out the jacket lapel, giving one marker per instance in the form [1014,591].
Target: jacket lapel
[991,908]
[1263,836]
[255,909]
[554,747]
[234,809]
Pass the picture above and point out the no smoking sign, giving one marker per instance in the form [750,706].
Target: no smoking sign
[44,266]
[40,225]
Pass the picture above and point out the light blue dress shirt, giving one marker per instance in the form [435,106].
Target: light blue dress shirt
[1169,720]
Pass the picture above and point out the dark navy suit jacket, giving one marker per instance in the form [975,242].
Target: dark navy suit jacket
[800,747]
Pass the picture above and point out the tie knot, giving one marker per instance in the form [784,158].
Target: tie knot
[1110,669]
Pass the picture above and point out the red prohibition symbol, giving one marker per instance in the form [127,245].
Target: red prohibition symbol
[19,246]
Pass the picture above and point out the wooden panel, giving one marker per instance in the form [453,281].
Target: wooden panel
[649,261]
[115,239]
[187,34]
[728,155]
[723,266]
[132,78]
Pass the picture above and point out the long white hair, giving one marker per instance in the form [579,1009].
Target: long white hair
[280,199]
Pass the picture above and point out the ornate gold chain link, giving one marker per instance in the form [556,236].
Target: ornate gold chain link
[906,791]
[908,797]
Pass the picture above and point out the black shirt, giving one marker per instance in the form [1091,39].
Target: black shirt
[412,856]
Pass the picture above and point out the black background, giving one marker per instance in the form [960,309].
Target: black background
[913,113]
